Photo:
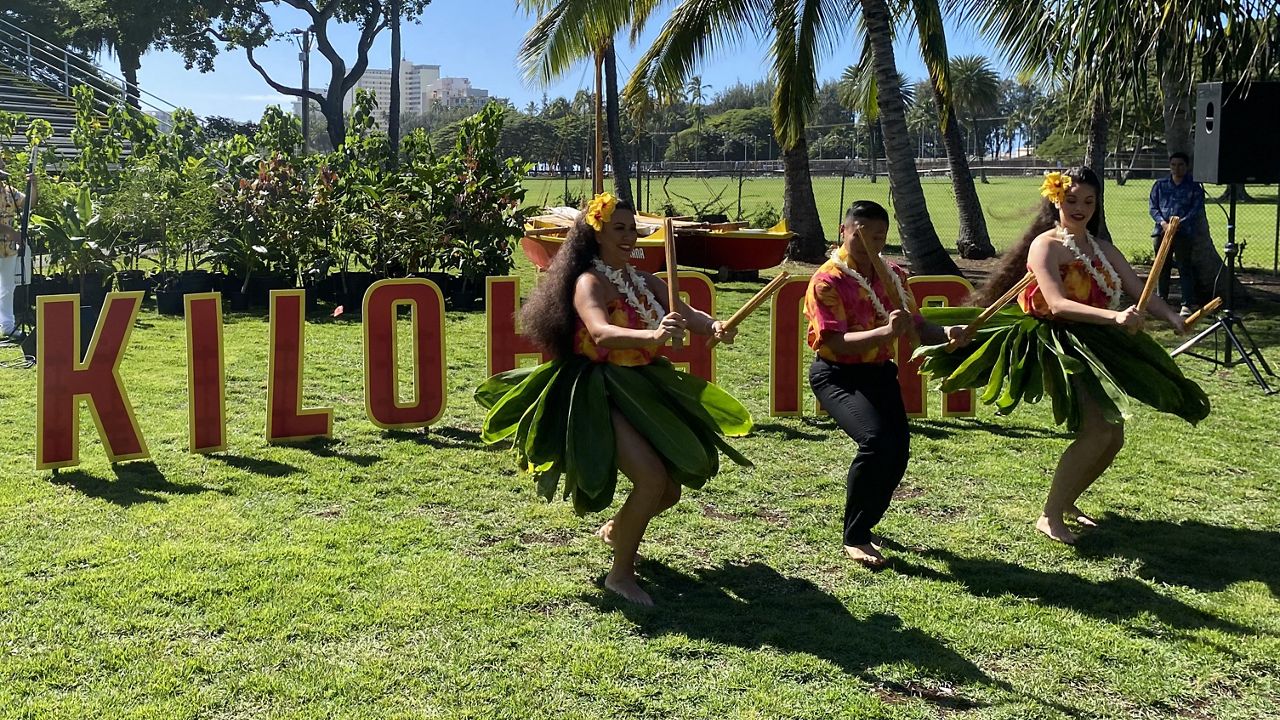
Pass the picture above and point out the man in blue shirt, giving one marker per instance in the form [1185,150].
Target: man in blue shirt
[1178,195]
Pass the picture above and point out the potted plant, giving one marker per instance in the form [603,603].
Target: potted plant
[80,245]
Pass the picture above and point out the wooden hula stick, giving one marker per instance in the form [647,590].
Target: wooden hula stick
[1162,255]
[1209,307]
[751,306]
[673,275]
[890,287]
[994,307]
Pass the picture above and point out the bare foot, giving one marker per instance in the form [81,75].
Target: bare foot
[1056,529]
[628,588]
[1078,515]
[866,554]
[605,533]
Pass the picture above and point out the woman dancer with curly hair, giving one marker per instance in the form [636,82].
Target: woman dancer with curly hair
[607,402]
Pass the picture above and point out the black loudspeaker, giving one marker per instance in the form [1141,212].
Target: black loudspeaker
[1236,138]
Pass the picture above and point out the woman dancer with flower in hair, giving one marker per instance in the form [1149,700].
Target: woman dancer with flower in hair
[1074,338]
[853,329]
[607,402]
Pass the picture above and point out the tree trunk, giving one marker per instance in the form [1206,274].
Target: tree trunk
[799,206]
[597,161]
[336,122]
[920,241]
[130,62]
[617,148]
[974,242]
[1096,152]
[1177,108]
[393,112]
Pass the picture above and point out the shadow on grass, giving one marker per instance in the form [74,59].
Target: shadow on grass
[258,466]
[753,606]
[332,448]
[786,432]
[942,429]
[1112,600]
[136,482]
[442,437]
[1208,558]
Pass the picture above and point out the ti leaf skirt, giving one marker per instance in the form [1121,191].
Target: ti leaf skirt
[1016,357]
[561,415]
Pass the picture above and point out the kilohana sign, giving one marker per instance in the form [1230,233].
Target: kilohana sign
[64,379]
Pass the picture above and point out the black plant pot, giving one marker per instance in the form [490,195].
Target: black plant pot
[134,281]
[260,287]
[233,298]
[57,285]
[352,297]
[194,281]
[169,302]
[463,295]
[92,288]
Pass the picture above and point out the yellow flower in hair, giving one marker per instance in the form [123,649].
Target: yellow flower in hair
[600,209]
[1055,186]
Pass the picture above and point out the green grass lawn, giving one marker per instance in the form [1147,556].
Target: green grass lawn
[416,574]
[1009,203]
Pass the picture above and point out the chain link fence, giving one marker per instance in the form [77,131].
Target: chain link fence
[752,192]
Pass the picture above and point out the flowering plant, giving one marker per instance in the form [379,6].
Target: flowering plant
[1055,186]
[600,209]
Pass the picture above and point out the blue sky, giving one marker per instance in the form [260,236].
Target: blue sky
[475,39]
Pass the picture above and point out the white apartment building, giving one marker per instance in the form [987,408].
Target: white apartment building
[421,87]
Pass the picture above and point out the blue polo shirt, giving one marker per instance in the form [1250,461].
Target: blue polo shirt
[1184,199]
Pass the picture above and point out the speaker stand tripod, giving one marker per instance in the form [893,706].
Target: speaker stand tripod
[1237,335]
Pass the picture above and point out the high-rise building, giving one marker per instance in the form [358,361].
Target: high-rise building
[421,87]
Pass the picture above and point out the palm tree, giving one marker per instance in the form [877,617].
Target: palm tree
[856,91]
[797,29]
[1102,49]
[572,30]
[696,29]
[694,88]
[975,87]
[974,241]
[920,240]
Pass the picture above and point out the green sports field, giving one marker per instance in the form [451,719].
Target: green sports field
[417,575]
[1009,203]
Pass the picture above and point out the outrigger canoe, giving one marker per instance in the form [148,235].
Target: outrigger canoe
[714,246]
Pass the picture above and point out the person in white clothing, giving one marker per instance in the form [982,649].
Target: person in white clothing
[15,265]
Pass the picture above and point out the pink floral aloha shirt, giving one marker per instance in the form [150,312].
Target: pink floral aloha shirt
[1077,283]
[836,303]
[623,315]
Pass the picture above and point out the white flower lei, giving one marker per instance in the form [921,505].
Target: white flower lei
[879,307]
[649,310]
[1111,283]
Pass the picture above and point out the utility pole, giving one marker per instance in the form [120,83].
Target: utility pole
[305,58]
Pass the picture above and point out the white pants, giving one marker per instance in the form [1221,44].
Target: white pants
[10,278]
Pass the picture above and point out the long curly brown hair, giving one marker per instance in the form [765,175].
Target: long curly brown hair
[1013,264]
[548,316]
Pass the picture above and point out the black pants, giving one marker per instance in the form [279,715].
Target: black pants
[1181,256]
[865,400]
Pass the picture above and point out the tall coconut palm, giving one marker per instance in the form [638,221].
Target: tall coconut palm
[797,30]
[920,240]
[974,241]
[696,29]
[1101,49]
[568,31]
[695,86]
[975,87]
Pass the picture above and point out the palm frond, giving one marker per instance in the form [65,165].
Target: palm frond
[695,30]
